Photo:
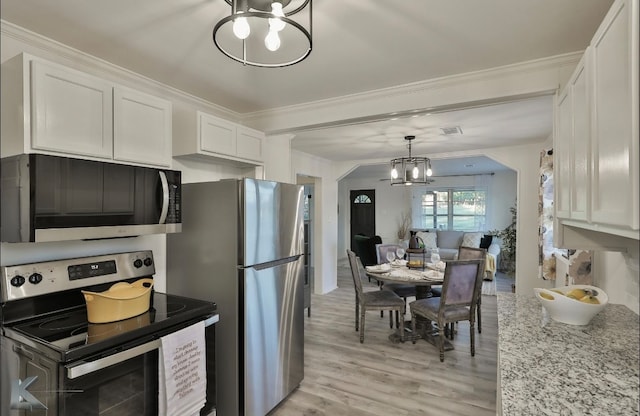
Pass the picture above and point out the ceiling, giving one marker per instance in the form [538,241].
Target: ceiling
[358,46]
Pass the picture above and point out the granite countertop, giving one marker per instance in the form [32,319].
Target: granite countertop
[550,368]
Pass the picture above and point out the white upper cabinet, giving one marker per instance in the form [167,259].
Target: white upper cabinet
[142,127]
[581,144]
[249,143]
[596,136]
[572,147]
[208,137]
[71,111]
[562,154]
[614,117]
[49,108]
[216,135]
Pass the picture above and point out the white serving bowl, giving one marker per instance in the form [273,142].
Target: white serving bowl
[571,311]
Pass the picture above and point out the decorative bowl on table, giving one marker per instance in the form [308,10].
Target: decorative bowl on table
[574,305]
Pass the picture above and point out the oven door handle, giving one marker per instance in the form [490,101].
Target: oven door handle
[83,368]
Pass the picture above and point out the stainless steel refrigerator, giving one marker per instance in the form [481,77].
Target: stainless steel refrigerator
[241,246]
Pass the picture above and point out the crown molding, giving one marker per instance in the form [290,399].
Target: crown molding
[269,120]
[65,55]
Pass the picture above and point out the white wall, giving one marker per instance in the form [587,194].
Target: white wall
[617,274]
[325,206]
[391,201]
[277,156]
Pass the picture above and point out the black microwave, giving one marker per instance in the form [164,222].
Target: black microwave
[54,198]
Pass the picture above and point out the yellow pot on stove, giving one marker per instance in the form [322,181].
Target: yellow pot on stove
[121,301]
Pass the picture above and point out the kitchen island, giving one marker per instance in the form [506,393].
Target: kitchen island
[550,368]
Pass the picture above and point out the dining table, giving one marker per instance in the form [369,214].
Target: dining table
[422,278]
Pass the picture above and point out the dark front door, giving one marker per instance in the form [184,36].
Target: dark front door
[363,213]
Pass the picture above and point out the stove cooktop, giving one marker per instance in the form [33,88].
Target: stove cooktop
[69,336]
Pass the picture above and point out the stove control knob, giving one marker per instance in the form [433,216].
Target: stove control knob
[137,264]
[35,278]
[148,262]
[17,281]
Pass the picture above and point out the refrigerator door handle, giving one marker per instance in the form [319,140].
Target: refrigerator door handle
[275,263]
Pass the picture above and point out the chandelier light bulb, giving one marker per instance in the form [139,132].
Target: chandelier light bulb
[394,173]
[241,27]
[429,172]
[415,172]
[272,41]
[276,24]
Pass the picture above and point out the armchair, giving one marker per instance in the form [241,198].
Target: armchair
[365,248]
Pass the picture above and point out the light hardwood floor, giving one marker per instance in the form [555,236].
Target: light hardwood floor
[344,377]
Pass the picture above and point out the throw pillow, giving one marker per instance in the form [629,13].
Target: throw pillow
[486,241]
[430,239]
[471,239]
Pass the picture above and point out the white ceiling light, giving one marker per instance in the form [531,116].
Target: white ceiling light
[410,170]
[264,33]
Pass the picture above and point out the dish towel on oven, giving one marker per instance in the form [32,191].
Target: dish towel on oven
[182,382]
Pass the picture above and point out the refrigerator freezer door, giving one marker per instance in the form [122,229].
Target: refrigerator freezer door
[273,335]
[273,226]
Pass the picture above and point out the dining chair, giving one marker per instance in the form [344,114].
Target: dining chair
[377,300]
[462,282]
[403,290]
[472,253]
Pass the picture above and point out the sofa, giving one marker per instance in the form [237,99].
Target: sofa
[448,241]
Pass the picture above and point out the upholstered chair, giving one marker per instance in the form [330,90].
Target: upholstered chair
[462,282]
[472,253]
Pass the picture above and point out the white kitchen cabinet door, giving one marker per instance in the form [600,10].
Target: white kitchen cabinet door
[614,117]
[580,148]
[249,143]
[562,155]
[71,111]
[216,135]
[142,127]
[572,148]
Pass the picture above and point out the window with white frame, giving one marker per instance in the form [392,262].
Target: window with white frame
[454,209]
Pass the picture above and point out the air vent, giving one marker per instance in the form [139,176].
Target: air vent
[448,131]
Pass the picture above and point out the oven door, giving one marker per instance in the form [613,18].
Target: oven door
[126,382]
[127,387]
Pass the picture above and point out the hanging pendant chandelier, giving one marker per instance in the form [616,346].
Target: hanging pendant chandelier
[264,33]
[411,170]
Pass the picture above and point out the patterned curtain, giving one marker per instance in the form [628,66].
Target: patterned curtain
[579,260]
[546,251]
